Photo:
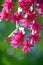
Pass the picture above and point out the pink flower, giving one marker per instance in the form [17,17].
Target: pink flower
[17,39]
[34,38]
[16,17]
[24,5]
[35,26]
[8,5]
[4,15]
[31,16]
[26,47]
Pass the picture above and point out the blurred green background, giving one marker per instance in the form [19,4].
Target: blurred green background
[11,56]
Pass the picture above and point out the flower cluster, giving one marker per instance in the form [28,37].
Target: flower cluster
[26,17]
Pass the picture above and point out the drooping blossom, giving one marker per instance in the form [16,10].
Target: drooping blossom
[17,39]
[34,38]
[35,26]
[25,17]
[26,46]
